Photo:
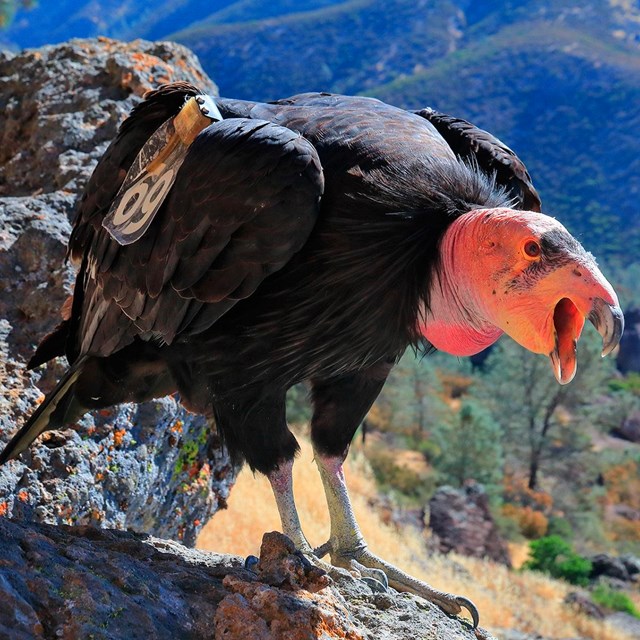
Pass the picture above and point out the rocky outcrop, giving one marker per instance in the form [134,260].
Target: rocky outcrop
[629,429]
[152,468]
[461,521]
[623,568]
[79,582]
[628,358]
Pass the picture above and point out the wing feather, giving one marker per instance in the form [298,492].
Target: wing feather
[493,156]
[244,202]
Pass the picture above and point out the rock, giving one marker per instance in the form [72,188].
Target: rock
[629,429]
[625,623]
[625,511]
[282,565]
[628,358]
[632,564]
[154,467]
[584,604]
[462,522]
[609,567]
[80,582]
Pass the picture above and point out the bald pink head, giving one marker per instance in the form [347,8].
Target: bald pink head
[523,274]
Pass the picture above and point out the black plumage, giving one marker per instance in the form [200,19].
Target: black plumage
[297,243]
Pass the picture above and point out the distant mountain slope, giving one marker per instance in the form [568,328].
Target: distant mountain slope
[53,22]
[47,22]
[568,104]
[558,80]
[347,47]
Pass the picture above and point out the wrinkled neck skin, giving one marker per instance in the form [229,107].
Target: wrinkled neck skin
[457,320]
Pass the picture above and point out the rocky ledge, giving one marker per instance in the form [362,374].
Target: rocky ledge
[81,582]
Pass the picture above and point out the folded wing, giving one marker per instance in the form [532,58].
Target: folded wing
[244,202]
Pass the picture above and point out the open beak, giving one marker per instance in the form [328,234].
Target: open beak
[568,322]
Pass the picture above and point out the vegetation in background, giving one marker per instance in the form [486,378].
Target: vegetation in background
[541,419]
[613,599]
[555,556]
[470,445]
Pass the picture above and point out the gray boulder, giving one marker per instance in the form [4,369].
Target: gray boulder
[629,429]
[632,565]
[461,521]
[152,468]
[609,567]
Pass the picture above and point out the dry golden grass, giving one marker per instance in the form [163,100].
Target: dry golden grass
[506,599]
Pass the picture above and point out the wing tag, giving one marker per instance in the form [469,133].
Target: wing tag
[154,170]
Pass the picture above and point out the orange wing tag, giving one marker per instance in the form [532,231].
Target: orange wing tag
[154,170]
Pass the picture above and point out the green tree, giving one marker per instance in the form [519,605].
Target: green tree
[554,556]
[470,448]
[410,399]
[539,417]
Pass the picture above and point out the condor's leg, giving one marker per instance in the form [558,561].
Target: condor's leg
[254,428]
[340,406]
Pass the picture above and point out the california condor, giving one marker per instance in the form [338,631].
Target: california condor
[312,239]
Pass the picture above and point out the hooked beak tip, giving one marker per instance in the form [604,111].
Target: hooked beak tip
[609,323]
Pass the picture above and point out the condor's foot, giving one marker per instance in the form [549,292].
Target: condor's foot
[348,548]
[368,564]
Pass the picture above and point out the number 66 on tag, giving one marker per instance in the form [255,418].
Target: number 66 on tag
[154,170]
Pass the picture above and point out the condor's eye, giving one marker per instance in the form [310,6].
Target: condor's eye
[531,249]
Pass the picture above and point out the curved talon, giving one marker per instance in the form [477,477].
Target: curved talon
[375,585]
[250,563]
[471,608]
[372,573]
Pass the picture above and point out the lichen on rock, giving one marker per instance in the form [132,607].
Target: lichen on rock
[153,467]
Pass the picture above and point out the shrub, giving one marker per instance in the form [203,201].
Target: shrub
[616,600]
[554,555]
[531,523]
[560,527]
[400,478]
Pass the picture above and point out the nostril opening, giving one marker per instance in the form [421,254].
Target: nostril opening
[577,272]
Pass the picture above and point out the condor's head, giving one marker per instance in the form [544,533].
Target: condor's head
[523,274]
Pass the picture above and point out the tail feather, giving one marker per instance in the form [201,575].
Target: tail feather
[51,414]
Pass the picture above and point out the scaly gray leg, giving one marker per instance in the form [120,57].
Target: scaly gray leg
[281,480]
[282,485]
[348,548]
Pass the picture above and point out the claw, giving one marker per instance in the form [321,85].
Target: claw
[375,585]
[323,549]
[377,575]
[251,563]
[471,608]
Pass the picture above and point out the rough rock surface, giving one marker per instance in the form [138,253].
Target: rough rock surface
[152,468]
[629,429]
[80,582]
[628,358]
[624,568]
[462,522]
